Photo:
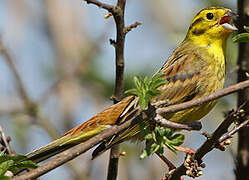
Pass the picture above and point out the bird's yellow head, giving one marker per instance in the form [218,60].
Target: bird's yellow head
[212,23]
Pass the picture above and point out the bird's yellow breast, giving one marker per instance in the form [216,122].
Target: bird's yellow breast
[210,79]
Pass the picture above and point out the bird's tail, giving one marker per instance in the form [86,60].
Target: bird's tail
[49,150]
[97,124]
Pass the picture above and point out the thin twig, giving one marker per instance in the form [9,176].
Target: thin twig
[184,126]
[132,26]
[105,6]
[6,143]
[233,131]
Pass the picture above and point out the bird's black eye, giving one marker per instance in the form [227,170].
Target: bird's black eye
[210,16]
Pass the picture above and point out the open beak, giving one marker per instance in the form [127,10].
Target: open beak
[226,20]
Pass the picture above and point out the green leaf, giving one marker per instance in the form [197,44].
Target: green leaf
[15,158]
[14,163]
[148,137]
[161,138]
[146,88]
[167,132]
[246,28]
[155,148]
[243,37]
[131,92]
[170,147]
[176,140]
[144,154]
[4,166]
[23,164]
[4,178]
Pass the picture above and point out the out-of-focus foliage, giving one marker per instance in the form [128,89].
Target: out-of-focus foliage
[14,163]
[242,37]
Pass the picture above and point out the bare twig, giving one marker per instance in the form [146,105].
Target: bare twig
[83,147]
[105,6]
[233,131]
[170,124]
[132,26]
[5,141]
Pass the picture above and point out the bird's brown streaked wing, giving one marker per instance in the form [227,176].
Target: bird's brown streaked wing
[183,83]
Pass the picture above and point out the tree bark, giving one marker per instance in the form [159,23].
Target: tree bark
[242,159]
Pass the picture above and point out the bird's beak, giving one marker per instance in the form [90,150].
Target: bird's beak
[226,20]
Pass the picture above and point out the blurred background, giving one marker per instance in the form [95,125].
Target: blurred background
[62,54]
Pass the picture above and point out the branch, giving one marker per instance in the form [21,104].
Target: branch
[119,80]
[5,142]
[83,147]
[233,131]
[210,144]
[132,26]
[184,126]
[105,6]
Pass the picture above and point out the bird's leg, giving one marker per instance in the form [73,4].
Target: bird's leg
[167,162]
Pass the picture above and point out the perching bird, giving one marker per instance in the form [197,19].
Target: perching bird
[195,69]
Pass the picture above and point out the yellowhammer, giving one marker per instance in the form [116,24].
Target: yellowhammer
[196,68]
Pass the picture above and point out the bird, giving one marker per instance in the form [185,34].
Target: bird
[196,68]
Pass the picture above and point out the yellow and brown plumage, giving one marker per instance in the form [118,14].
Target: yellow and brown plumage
[196,68]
